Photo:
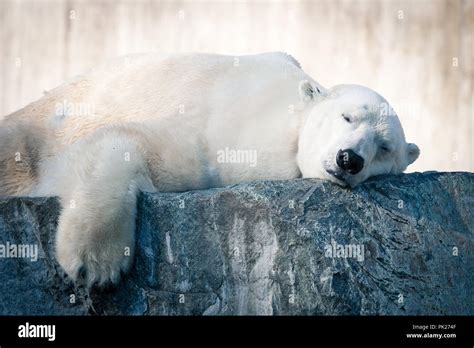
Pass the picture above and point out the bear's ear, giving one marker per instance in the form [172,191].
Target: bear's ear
[412,152]
[308,91]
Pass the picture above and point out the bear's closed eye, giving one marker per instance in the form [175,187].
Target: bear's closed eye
[347,118]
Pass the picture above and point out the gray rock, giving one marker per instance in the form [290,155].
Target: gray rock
[397,245]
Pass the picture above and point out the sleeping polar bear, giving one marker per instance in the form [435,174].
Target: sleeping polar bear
[185,122]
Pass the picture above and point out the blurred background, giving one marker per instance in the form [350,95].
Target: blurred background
[417,54]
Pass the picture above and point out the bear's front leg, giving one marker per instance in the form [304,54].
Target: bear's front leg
[102,177]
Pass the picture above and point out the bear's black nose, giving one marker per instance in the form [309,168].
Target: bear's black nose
[349,161]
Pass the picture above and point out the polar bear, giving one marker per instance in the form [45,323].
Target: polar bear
[155,122]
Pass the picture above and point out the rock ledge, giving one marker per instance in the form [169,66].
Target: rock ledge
[397,245]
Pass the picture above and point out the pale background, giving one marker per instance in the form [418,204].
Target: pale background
[418,54]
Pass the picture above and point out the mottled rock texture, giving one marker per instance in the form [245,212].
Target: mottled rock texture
[267,248]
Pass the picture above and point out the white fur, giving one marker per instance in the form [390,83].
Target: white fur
[172,115]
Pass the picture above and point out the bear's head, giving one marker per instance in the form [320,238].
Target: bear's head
[349,134]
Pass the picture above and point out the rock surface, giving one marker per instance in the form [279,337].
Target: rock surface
[397,245]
